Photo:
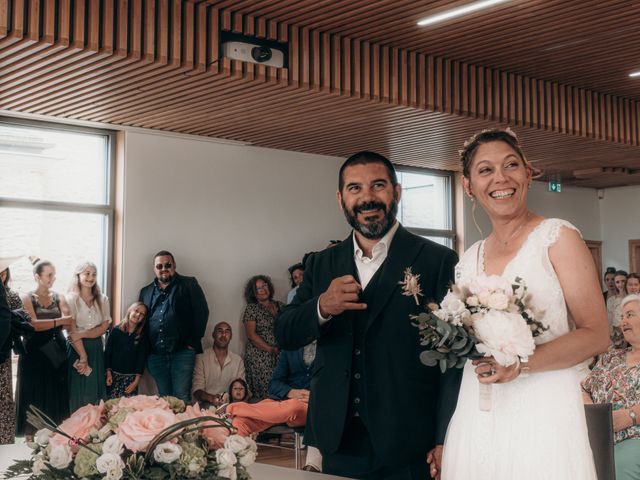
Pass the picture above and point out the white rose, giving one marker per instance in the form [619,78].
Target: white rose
[60,456]
[167,452]
[38,465]
[42,437]
[483,297]
[114,474]
[248,458]
[226,458]
[505,336]
[113,445]
[498,301]
[109,461]
[236,443]
[473,301]
[229,472]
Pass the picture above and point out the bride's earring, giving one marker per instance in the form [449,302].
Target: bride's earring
[472,197]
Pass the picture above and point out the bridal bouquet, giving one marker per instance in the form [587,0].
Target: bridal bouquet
[490,316]
[135,438]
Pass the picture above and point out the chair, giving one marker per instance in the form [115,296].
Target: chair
[297,446]
[600,427]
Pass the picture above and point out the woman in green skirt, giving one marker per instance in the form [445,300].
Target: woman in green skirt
[92,318]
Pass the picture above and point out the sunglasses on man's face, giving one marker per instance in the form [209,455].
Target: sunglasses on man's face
[165,265]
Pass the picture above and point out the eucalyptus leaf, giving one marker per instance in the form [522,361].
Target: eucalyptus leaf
[443,365]
[430,357]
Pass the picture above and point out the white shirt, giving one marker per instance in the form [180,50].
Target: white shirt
[88,317]
[367,267]
[209,376]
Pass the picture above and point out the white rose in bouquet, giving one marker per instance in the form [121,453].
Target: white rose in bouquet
[503,335]
[229,472]
[113,445]
[108,462]
[498,301]
[248,458]
[236,443]
[42,437]
[226,458]
[60,456]
[114,474]
[167,452]
[473,301]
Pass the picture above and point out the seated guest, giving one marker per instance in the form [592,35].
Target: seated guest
[261,351]
[616,379]
[613,308]
[288,400]
[126,353]
[296,274]
[609,283]
[216,368]
[633,283]
[238,391]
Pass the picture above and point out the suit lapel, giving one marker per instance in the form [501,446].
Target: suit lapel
[344,263]
[402,253]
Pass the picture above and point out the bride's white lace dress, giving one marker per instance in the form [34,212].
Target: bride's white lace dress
[536,428]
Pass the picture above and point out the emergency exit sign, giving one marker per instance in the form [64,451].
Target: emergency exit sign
[555,186]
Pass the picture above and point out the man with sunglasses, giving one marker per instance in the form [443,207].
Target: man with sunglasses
[176,321]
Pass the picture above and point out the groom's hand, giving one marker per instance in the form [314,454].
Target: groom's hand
[434,459]
[342,294]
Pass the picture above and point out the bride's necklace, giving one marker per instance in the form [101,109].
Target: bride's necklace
[504,243]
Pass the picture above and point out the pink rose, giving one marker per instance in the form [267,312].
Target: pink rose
[215,436]
[80,423]
[143,402]
[139,428]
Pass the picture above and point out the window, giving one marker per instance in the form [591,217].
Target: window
[56,199]
[426,207]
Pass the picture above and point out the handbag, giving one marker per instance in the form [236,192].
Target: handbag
[54,352]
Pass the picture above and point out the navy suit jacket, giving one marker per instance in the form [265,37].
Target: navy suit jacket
[407,405]
[290,372]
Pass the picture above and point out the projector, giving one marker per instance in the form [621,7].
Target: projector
[253,53]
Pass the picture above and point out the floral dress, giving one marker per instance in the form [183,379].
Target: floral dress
[613,381]
[7,405]
[258,363]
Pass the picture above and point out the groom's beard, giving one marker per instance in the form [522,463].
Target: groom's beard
[373,230]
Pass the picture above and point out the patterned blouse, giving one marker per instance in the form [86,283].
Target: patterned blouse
[613,381]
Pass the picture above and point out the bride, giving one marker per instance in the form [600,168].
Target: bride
[536,426]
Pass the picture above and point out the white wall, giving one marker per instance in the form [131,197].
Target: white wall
[577,205]
[620,220]
[226,213]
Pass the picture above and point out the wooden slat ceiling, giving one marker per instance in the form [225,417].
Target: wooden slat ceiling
[361,75]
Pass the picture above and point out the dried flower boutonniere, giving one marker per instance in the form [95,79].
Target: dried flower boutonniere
[410,285]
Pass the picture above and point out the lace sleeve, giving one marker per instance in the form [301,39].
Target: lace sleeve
[552,232]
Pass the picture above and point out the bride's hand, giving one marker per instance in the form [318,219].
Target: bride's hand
[434,459]
[489,371]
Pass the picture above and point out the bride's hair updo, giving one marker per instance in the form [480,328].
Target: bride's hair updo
[492,135]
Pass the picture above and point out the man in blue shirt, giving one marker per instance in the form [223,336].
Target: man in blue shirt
[176,321]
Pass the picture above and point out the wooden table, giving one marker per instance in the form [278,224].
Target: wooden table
[258,471]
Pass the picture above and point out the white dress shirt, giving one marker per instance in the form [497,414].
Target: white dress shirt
[367,267]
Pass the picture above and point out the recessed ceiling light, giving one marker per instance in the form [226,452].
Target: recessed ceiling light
[635,74]
[457,12]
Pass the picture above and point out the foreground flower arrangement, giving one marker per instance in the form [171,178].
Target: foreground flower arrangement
[489,316]
[141,437]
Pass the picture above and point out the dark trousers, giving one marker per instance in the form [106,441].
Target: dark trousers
[355,458]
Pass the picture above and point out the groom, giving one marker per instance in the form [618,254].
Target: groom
[374,409]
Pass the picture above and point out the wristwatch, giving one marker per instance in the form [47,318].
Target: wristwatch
[634,419]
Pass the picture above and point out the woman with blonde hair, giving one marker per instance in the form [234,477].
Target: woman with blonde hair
[126,353]
[92,318]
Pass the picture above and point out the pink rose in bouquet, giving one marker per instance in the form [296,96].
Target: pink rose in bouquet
[139,428]
[80,424]
[215,435]
[142,402]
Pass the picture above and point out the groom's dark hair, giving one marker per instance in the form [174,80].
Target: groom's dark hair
[363,158]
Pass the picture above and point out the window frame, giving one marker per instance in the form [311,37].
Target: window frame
[449,233]
[107,209]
